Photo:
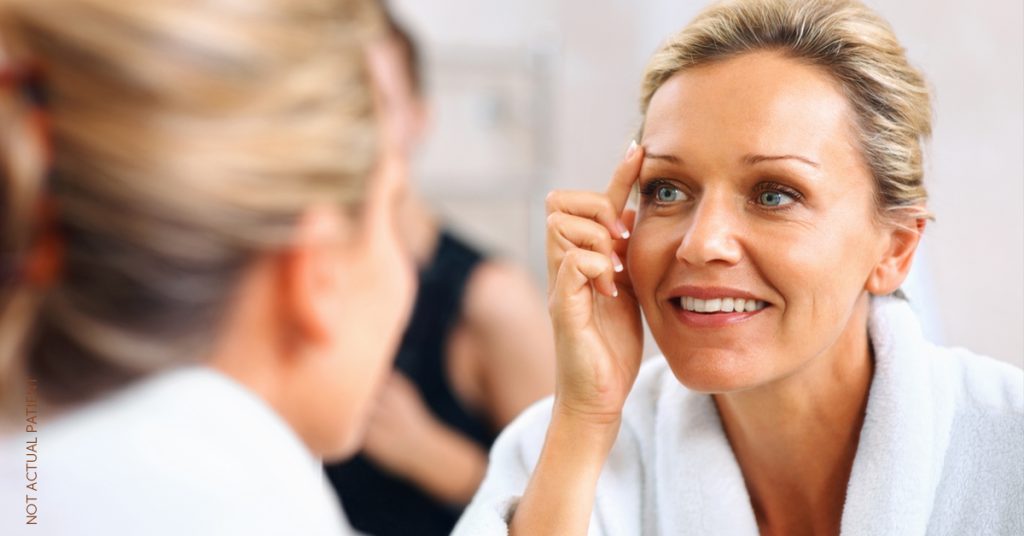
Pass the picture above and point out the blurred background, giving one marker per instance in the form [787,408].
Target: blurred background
[534,95]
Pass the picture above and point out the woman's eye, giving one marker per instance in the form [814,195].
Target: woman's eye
[667,194]
[774,198]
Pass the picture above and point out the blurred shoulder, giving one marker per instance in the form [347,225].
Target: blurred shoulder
[498,290]
[190,440]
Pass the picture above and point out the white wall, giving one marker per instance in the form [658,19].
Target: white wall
[973,54]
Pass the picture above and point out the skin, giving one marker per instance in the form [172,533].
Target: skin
[500,354]
[313,329]
[791,382]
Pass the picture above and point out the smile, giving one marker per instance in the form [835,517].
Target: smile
[718,305]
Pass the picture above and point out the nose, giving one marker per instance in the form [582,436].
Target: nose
[712,233]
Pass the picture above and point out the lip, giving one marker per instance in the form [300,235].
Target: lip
[716,320]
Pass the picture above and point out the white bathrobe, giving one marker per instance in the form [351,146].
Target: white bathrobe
[185,453]
[941,451]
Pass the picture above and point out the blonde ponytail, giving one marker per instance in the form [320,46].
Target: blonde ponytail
[187,137]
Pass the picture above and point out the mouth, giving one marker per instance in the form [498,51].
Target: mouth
[713,306]
[718,311]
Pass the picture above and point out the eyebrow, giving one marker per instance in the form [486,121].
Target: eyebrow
[666,157]
[752,159]
[749,159]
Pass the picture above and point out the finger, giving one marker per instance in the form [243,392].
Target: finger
[386,83]
[386,191]
[567,232]
[403,389]
[378,413]
[580,271]
[399,380]
[591,205]
[629,221]
[389,181]
[621,247]
[625,175]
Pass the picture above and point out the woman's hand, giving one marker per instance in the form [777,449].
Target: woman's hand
[598,332]
[405,439]
[598,343]
[398,423]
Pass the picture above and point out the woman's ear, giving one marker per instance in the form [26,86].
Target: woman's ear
[313,274]
[892,269]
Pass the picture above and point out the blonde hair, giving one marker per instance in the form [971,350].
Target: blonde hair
[187,137]
[857,47]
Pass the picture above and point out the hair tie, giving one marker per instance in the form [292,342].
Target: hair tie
[40,264]
[45,256]
[28,79]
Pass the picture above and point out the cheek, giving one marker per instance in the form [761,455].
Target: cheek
[819,273]
[392,282]
[401,283]
[373,312]
[377,308]
[651,255]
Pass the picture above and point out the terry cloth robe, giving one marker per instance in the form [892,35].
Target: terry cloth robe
[189,452]
[941,451]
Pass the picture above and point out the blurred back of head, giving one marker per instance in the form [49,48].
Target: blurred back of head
[411,55]
[151,149]
[404,100]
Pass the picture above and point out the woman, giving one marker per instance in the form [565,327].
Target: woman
[203,282]
[781,203]
[476,352]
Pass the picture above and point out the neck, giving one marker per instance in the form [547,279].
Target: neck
[250,348]
[795,439]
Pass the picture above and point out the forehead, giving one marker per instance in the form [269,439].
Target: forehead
[759,102]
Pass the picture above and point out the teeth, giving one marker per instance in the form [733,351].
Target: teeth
[725,305]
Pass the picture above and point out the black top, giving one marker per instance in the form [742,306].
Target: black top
[376,502]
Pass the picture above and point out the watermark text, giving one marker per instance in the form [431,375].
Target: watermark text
[32,453]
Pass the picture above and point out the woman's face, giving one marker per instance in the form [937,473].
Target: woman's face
[752,188]
[371,308]
[366,312]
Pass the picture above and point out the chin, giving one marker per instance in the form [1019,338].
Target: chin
[715,371]
[342,449]
[342,438]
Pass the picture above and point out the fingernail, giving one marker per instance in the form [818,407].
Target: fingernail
[616,262]
[621,228]
[632,149]
[615,292]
